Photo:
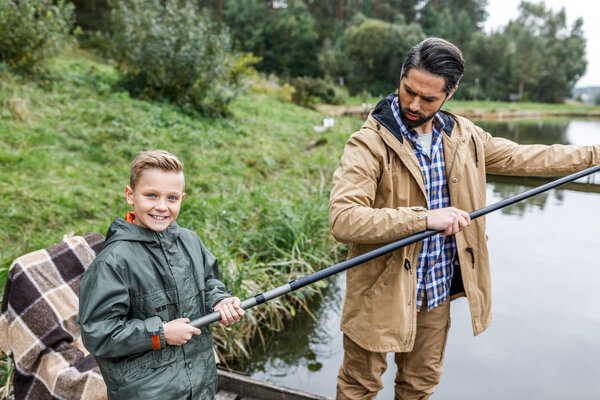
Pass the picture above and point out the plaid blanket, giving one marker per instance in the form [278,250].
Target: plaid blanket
[38,324]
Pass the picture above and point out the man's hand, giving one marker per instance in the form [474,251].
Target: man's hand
[450,220]
[178,331]
[230,309]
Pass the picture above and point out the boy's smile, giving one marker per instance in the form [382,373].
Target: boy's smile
[156,198]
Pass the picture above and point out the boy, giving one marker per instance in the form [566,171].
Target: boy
[139,294]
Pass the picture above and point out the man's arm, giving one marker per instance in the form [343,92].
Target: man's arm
[505,157]
[352,217]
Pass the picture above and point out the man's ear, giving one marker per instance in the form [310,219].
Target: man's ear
[129,195]
[452,92]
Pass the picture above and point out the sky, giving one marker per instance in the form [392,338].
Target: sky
[502,11]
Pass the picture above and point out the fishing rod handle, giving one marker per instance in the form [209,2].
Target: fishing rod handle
[246,304]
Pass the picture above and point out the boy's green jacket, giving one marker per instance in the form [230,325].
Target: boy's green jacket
[141,279]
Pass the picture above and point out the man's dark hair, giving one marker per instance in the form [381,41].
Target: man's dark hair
[438,57]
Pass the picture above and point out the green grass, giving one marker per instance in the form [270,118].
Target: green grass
[257,183]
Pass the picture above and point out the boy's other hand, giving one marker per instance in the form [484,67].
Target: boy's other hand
[230,309]
[178,331]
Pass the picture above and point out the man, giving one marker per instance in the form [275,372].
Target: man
[412,167]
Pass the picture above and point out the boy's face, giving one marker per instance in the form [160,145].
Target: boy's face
[156,198]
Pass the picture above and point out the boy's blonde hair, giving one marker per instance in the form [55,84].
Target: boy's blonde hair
[159,159]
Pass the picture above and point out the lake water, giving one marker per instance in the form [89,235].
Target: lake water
[544,342]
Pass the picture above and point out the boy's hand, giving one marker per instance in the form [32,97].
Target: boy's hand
[178,331]
[230,309]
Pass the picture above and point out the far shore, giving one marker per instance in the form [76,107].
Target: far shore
[483,110]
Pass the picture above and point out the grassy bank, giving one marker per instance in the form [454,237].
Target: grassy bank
[257,183]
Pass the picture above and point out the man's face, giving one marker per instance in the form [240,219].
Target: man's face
[420,97]
[156,198]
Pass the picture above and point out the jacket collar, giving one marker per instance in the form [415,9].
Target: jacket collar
[121,229]
[384,115]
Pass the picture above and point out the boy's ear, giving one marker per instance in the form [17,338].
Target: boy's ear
[182,196]
[129,195]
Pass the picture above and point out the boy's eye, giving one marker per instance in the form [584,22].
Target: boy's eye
[173,198]
[151,195]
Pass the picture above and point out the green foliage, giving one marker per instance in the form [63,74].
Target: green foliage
[285,39]
[311,91]
[547,57]
[7,370]
[369,54]
[33,30]
[537,57]
[172,51]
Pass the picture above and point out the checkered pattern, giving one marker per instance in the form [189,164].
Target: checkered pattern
[38,324]
[434,269]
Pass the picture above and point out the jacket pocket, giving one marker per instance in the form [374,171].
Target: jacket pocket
[139,373]
[382,282]
[162,303]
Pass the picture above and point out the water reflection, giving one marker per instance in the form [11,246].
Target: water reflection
[529,131]
[543,343]
[308,353]
[536,202]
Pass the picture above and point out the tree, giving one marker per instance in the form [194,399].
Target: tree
[453,20]
[488,67]
[369,54]
[474,9]
[285,38]
[174,52]
[547,58]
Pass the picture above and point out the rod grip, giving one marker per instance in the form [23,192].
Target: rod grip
[216,316]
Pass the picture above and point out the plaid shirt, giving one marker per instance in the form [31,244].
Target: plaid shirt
[434,269]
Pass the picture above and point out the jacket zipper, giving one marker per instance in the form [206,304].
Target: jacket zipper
[476,156]
[470,250]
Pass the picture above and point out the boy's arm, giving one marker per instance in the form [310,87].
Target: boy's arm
[103,308]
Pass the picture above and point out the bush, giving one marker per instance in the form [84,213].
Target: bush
[33,31]
[173,52]
[310,91]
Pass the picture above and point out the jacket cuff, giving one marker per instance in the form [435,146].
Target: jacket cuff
[420,218]
[218,299]
[156,334]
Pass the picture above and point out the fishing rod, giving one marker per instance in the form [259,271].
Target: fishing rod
[353,262]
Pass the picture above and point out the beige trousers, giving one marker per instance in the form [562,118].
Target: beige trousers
[419,371]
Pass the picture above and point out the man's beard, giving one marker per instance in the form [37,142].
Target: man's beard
[412,124]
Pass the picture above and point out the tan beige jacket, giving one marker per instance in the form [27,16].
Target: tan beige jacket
[378,196]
